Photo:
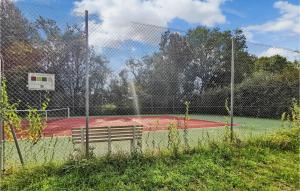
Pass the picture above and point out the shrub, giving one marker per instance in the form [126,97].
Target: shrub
[11,119]
[285,139]
[262,95]
[109,108]
[173,138]
[37,122]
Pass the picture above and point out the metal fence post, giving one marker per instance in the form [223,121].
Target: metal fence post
[152,110]
[1,125]
[232,89]
[17,144]
[173,104]
[87,84]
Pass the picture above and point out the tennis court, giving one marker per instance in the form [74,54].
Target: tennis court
[57,144]
[62,127]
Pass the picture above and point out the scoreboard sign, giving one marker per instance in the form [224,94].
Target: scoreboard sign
[41,81]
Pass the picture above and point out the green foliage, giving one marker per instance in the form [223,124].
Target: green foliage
[108,108]
[8,112]
[173,138]
[227,132]
[285,140]
[254,166]
[12,119]
[295,116]
[184,57]
[272,64]
[229,135]
[264,94]
[292,119]
[186,120]
[151,138]
[214,98]
[36,122]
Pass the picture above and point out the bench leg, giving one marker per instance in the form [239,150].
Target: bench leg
[109,148]
[133,141]
[82,140]
[132,146]
[140,145]
[109,141]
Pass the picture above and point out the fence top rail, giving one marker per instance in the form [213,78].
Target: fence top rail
[47,110]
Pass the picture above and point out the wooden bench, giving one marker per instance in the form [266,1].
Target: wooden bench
[109,134]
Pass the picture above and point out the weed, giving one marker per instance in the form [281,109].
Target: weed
[11,119]
[254,166]
[185,130]
[36,122]
[173,138]
[291,119]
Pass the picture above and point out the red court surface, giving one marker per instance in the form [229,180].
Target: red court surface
[62,127]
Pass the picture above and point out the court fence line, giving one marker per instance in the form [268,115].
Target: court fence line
[220,74]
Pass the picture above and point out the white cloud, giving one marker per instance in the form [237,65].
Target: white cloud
[283,31]
[291,56]
[288,21]
[116,16]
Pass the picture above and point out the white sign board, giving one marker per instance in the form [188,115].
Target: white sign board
[41,81]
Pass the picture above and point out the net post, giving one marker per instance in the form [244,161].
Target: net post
[46,115]
[68,110]
[87,84]
[232,89]
[152,104]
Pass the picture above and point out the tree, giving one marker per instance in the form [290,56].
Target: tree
[42,46]
[14,26]
[272,64]
[212,56]
[18,51]
[65,56]
[188,64]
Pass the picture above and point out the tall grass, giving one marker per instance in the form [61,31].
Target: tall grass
[260,164]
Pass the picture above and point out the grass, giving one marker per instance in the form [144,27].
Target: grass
[60,149]
[246,122]
[269,162]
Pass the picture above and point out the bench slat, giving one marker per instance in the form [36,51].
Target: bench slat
[106,140]
[106,133]
[105,128]
[106,136]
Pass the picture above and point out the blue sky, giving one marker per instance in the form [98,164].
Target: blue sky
[264,21]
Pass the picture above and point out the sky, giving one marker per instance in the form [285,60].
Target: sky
[115,24]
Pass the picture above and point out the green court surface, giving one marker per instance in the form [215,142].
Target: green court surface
[59,149]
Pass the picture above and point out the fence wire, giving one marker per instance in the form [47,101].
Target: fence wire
[159,77]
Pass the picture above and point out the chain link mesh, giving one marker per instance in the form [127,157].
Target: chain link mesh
[140,74]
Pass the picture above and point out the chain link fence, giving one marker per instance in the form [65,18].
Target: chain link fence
[139,74]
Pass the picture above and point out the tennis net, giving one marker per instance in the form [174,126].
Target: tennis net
[48,114]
